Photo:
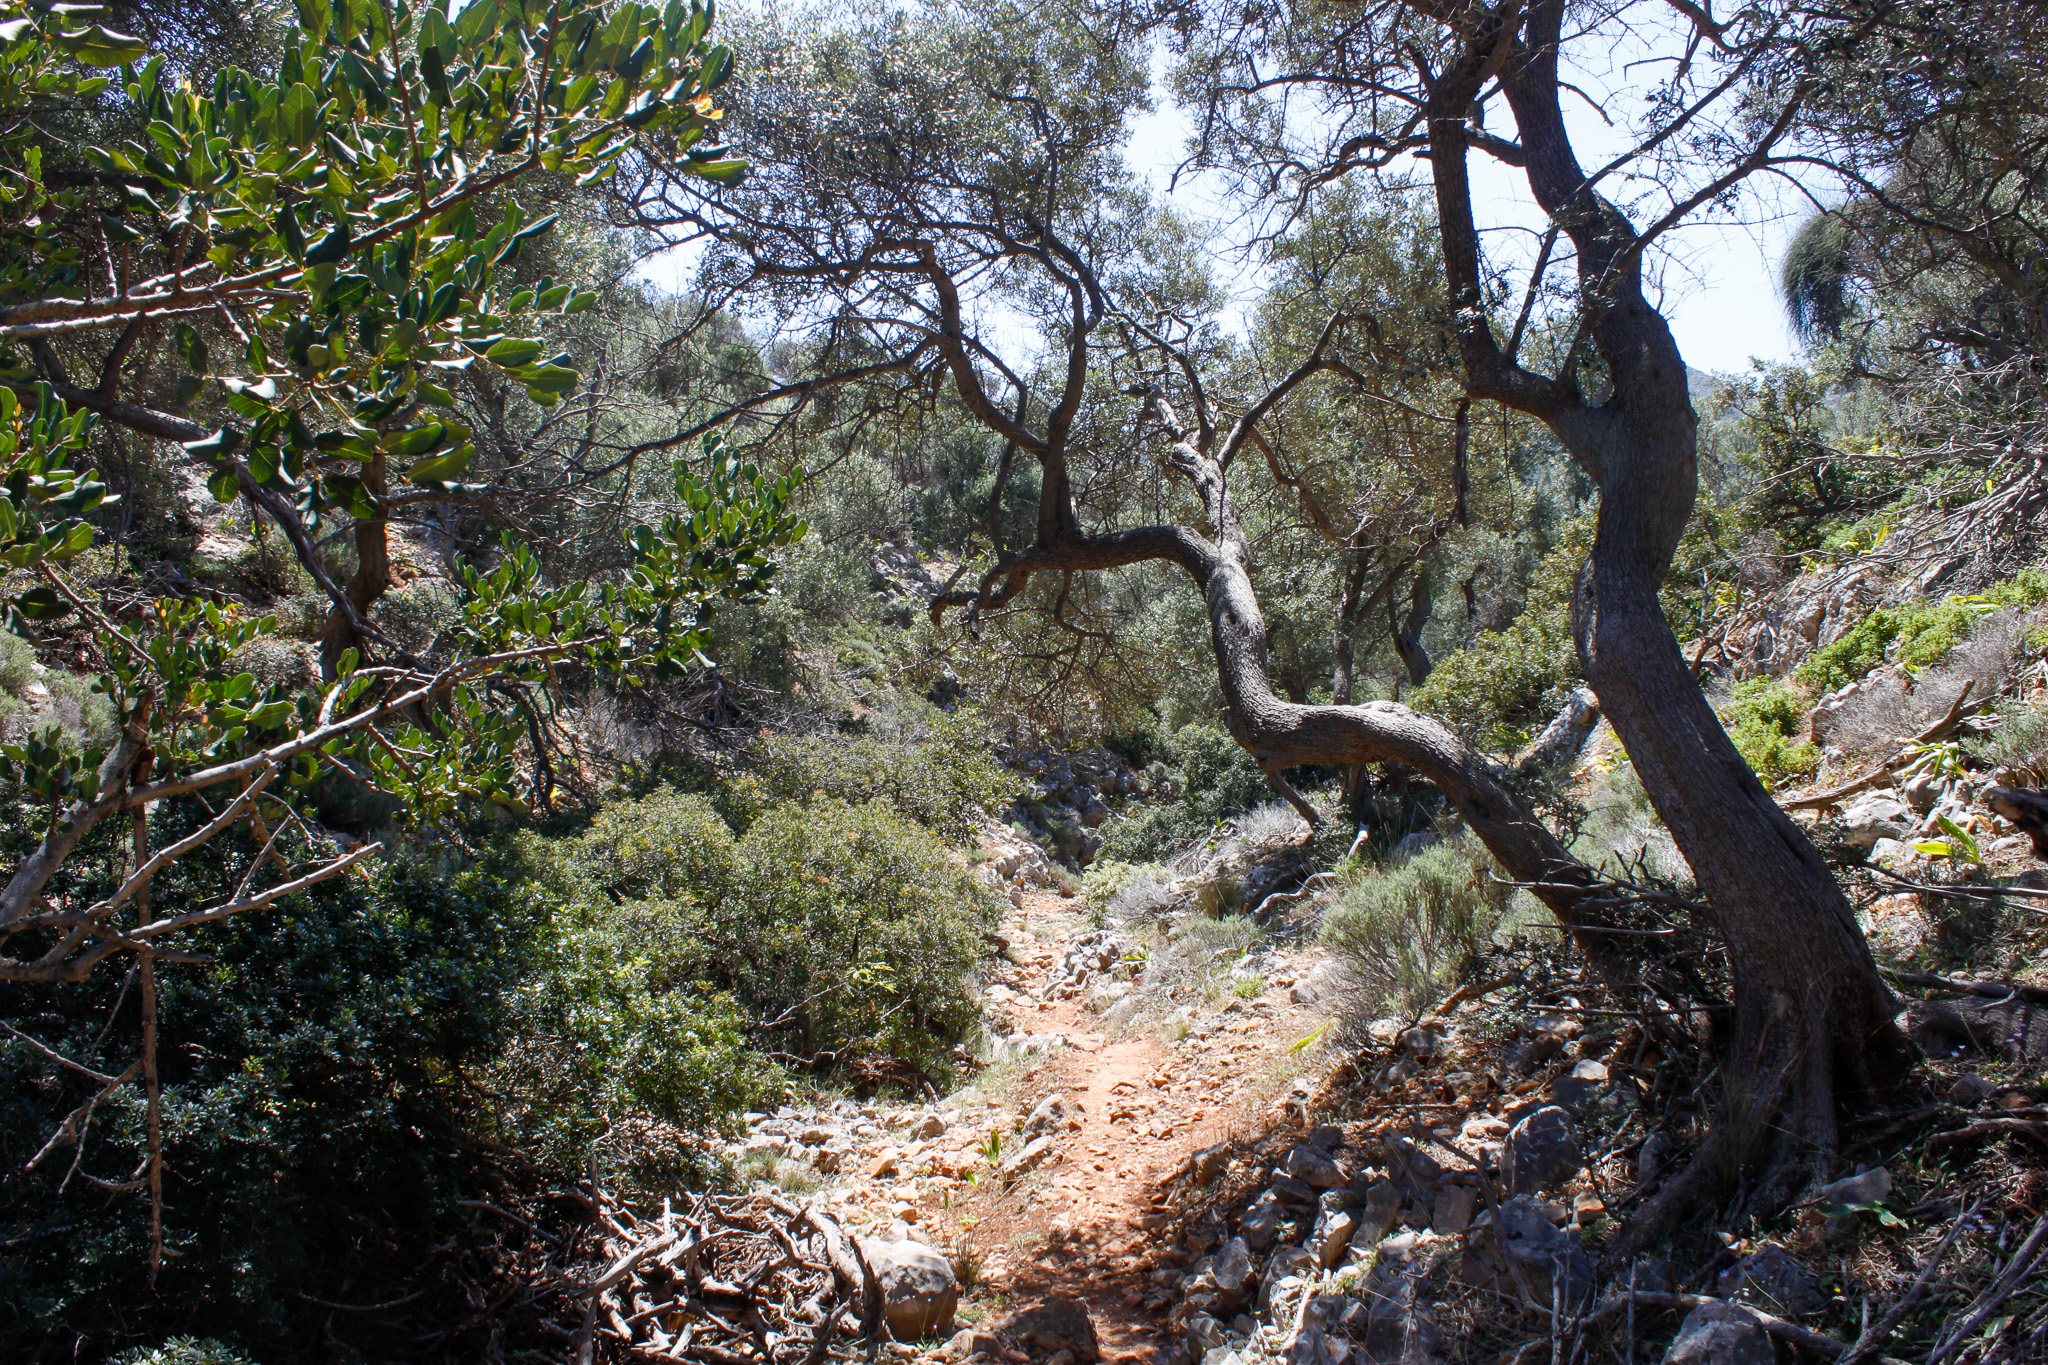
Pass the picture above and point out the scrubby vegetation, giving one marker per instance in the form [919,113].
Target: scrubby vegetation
[480,712]
[1916,635]
[1402,932]
[1764,718]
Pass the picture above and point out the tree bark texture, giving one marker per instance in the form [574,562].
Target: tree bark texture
[1813,1018]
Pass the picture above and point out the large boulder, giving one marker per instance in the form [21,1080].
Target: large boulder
[1058,1324]
[919,1289]
[2011,1030]
[1542,1151]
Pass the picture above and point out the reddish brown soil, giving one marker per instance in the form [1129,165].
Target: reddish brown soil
[1093,1222]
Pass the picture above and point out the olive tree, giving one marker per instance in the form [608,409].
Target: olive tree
[972,179]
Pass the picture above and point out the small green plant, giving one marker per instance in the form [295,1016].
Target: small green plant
[1939,762]
[1250,988]
[992,1149]
[1763,717]
[1958,846]
[185,1351]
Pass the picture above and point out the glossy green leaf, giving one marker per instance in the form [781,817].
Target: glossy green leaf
[513,352]
[442,468]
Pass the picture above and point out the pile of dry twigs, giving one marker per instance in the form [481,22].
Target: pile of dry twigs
[729,1280]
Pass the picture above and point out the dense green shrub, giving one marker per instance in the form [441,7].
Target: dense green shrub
[837,928]
[1401,932]
[317,1098]
[612,1028]
[1917,634]
[1762,716]
[933,767]
[852,930]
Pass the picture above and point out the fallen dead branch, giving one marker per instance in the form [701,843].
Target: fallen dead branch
[2001,991]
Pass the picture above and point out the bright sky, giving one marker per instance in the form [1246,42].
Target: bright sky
[1716,276]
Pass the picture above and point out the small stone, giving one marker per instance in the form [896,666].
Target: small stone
[1866,1188]
[1970,1090]
[1382,1206]
[1232,1269]
[1333,1234]
[1260,1224]
[884,1167]
[969,1341]
[1209,1163]
[1033,1155]
[1056,1325]
[815,1137]
[929,1127]
[1721,1334]
[1872,817]
[1316,1169]
[1453,1211]
[1572,1088]
[1770,1279]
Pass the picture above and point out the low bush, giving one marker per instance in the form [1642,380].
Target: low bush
[851,930]
[1116,892]
[2020,741]
[1402,932]
[933,767]
[1763,716]
[835,929]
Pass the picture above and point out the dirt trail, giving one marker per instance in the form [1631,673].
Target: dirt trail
[1088,1224]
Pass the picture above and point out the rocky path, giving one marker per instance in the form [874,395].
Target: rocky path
[1110,1123]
